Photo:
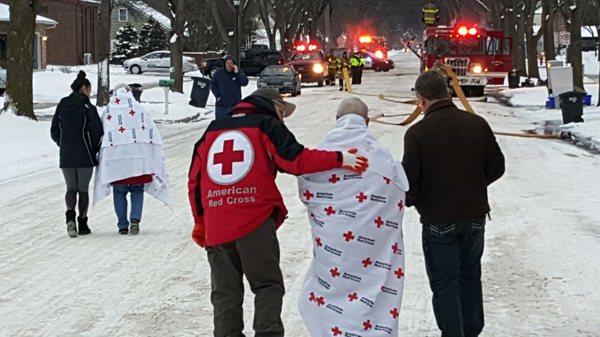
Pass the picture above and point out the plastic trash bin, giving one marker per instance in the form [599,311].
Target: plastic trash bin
[551,102]
[136,90]
[200,92]
[571,104]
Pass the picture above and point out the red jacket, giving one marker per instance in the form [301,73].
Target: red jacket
[231,185]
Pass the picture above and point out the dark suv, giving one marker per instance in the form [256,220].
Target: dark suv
[253,61]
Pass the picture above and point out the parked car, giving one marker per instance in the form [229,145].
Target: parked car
[2,81]
[158,61]
[253,61]
[312,65]
[283,78]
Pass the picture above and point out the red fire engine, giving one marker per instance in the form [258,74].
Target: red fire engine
[374,44]
[478,56]
[375,51]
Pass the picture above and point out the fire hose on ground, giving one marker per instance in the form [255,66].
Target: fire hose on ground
[448,72]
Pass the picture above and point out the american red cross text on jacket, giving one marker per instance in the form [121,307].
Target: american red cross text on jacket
[231,184]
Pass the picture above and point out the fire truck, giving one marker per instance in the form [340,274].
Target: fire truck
[478,56]
[375,50]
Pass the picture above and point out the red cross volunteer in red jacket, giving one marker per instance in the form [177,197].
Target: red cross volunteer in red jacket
[237,206]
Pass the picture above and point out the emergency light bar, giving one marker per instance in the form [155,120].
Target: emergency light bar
[464,31]
[365,39]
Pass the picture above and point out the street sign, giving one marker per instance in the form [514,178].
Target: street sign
[565,38]
[168,83]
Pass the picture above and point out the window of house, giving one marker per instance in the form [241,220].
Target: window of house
[123,15]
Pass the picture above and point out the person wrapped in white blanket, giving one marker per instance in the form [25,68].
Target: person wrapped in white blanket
[355,281]
[131,159]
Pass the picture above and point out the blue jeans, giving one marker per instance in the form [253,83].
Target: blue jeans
[120,203]
[222,111]
[453,262]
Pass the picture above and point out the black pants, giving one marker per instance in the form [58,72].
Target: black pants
[360,74]
[256,256]
[355,75]
[78,182]
[453,261]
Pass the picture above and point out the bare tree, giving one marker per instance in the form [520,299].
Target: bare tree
[265,7]
[548,14]
[177,16]
[19,63]
[572,13]
[532,38]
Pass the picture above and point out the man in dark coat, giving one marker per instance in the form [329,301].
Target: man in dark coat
[450,158]
[226,85]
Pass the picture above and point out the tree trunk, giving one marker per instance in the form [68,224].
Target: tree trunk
[533,70]
[574,56]
[176,43]
[19,63]
[519,57]
[549,48]
[103,53]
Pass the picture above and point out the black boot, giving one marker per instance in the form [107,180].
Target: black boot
[83,226]
[71,225]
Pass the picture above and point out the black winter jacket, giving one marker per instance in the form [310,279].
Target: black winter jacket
[450,158]
[77,130]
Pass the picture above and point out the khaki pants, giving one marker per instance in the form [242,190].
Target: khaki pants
[256,256]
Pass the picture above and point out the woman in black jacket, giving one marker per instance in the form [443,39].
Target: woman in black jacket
[77,130]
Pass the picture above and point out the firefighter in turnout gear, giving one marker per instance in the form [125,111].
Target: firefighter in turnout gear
[357,63]
[343,63]
[332,65]
[431,14]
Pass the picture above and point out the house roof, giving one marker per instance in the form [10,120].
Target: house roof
[147,11]
[40,20]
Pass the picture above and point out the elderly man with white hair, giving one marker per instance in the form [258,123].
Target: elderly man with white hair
[355,281]
[131,160]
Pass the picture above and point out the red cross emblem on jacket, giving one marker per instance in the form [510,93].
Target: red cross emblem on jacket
[230,158]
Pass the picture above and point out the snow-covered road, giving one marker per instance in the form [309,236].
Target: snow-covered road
[541,265]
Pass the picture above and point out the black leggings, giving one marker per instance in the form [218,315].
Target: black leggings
[78,181]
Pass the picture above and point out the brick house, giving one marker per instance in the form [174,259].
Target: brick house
[43,26]
[72,40]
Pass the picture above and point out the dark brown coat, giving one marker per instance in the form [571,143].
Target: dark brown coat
[450,158]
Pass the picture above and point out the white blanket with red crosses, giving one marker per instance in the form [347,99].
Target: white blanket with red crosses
[131,147]
[355,282]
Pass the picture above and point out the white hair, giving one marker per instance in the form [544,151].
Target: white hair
[352,106]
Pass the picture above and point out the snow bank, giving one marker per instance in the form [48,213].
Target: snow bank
[26,147]
[537,96]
